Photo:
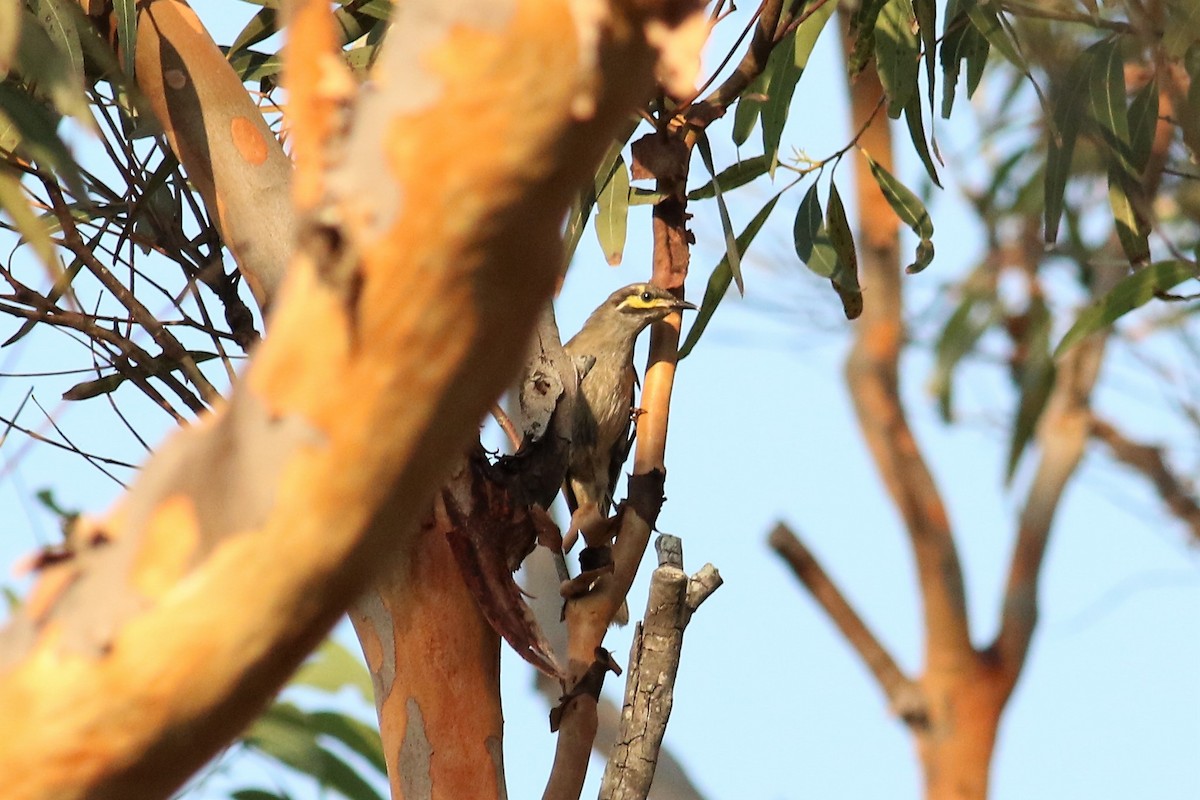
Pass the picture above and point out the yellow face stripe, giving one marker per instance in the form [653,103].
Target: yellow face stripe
[635,302]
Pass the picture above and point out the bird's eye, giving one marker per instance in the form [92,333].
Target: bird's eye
[647,297]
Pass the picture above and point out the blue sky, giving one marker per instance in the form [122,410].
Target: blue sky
[770,702]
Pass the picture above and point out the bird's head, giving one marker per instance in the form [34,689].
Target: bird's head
[635,306]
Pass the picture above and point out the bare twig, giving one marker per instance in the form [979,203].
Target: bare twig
[140,314]
[653,665]
[903,694]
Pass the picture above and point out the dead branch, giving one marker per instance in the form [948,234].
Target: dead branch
[653,665]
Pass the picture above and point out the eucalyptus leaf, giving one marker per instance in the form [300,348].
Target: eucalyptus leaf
[289,735]
[722,276]
[961,41]
[732,177]
[926,14]
[749,107]
[1143,121]
[916,133]
[261,26]
[731,250]
[125,12]
[59,20]
[845,277]
[909,209]
[1037,376]
[333,667]
[810,237]
[977,312]
[1060,148]
[1132,292]
[786,64]
[897,52]
[612,215]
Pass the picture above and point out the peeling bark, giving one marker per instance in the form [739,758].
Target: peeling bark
[349,415]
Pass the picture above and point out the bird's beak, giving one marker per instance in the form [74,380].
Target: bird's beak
[683,305]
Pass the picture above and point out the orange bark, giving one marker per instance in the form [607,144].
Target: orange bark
[407,309]
[436,666]
[219,135]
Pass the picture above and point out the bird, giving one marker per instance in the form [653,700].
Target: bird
[603,353]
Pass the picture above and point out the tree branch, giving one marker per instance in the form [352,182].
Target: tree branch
[904,695]
[1062,435]
[1149,461]
[219,135]
[872,375]
[408,306]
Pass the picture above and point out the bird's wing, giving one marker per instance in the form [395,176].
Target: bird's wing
[622,446]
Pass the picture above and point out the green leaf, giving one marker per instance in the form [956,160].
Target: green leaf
[976,313]
[261,26]
[47,70]
[645,197]
[358,19]
[1037,375]
[257,794]
[581,208]
[732,177]
[983,16]
[897,54]
[252,66]
[58,19]
[722,276]
[1132,231]
[333,667]
[774,111]
[845,277]
[1061,147]
[1143,121]
[38,132]
[289,735]
[1106,101]
[909,209]
[749,106]
[916,133]
[357,736]
[612,204]
[811,239]
[126,15]
[961,41]
[1183,27]
[1132,292]
[786,64]
[731,251]
[48,501]
[862,29]
[926,14]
